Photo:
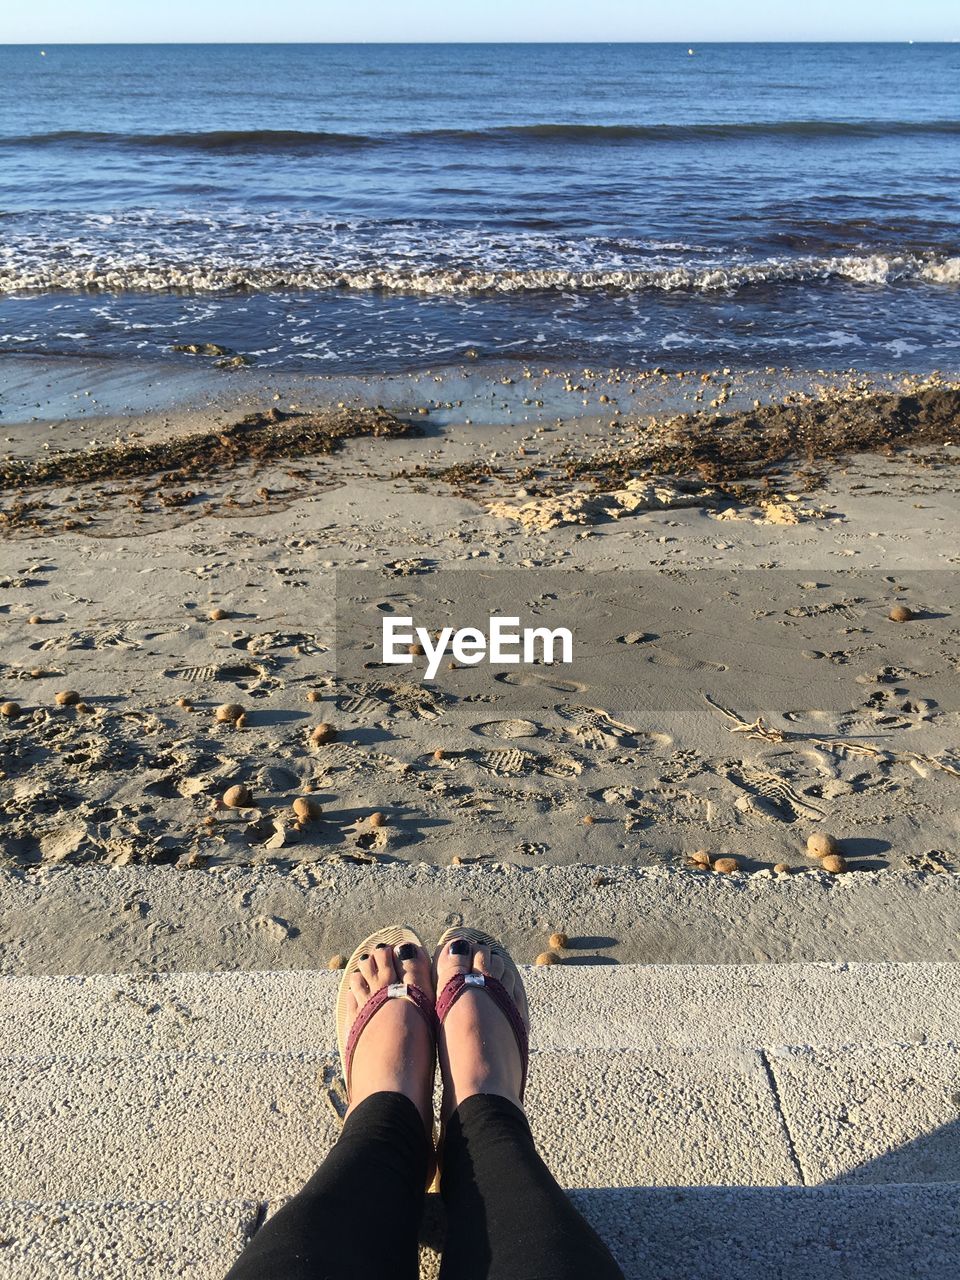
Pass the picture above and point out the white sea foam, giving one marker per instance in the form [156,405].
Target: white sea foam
[116,272]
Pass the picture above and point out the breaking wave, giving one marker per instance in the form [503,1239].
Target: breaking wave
[111,273]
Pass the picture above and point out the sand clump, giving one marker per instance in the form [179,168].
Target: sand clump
[821,844]
[588,508]
[239,797]
[307,809]
[726,866]
[834,863]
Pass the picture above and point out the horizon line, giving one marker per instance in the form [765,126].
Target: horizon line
[688,41]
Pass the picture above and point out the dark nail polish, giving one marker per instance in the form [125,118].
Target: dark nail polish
[365,956]
[407,952]
[382,946]
[459,947]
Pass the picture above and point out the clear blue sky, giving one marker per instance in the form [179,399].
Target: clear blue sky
[69,21]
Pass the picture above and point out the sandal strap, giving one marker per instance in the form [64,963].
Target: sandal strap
[461,982]
[395,991]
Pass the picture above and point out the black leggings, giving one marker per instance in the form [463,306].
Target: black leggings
[358,1218]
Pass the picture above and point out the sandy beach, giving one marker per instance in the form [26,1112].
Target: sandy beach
[737,683]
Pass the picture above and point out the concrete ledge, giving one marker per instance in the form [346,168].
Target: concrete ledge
[89,1240]
[576,1008]
[257,1125]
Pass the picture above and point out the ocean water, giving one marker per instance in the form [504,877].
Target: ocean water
[383,207]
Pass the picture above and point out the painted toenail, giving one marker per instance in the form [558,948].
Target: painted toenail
[407,952]
[365,956]
[460,947]
[381,946]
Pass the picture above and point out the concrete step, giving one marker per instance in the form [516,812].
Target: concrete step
[575,1007]
[170,1110]
[657,1233]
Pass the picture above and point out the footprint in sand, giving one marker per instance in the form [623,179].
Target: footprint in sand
[511,762]
[668,659]
[508,729]
[544,682]
[768,796]
[108,638]
[593,727]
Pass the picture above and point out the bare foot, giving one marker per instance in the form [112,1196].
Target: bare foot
[395,1050]
[477,1047]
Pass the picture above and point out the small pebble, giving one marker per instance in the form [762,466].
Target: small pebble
[314,695]
[306,809]
[34,620]
[10,710]
[834,863]
[228,712]
[217,615]
[900,613]
[439,754]
[322,733]
[67,698]
[337,962]
[822,844]
[726,866]
[377,820]
[238,797]
[588,819]
[782,868]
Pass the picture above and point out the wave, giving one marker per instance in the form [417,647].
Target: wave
[274,140]
[113,274]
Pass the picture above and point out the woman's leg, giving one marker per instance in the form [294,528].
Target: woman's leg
[358,1217]
[507,1219]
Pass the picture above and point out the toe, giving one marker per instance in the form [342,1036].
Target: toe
[376,965]
[413,966]
[496,967]
[481,961]
[359,987]
[387,971]
[456,957]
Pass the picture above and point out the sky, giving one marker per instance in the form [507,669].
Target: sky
[689,21]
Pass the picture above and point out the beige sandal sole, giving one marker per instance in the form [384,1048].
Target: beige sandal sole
[393,936]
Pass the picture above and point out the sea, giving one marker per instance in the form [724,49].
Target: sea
[352,208]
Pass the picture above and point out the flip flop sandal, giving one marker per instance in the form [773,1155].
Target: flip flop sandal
[513,1010]
[348,1033]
